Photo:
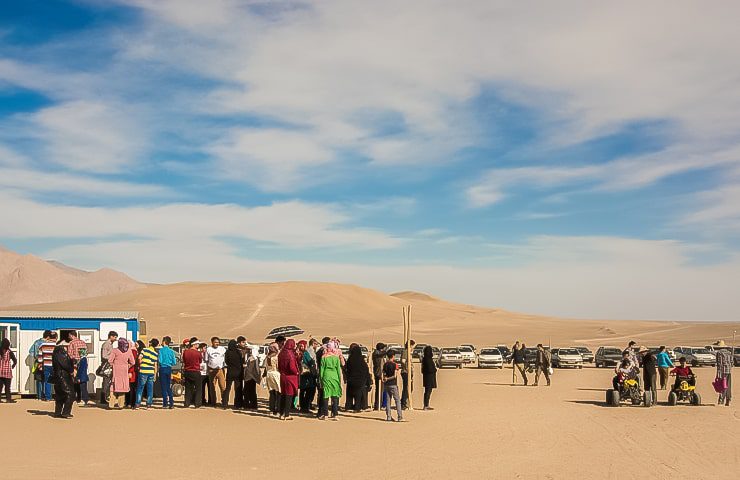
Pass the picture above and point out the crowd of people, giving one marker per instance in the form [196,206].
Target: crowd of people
[306,377]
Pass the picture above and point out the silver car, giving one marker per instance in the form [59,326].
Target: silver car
[450,357]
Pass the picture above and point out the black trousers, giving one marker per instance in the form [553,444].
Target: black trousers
[205,385]
[427,396]
[193,389]
[81,393]
[274,401]
[64,396]
[650,380]
[5,383]
[323,408]
[378,392]
[250,394]
[306,398]
[287,404]
[238,392]
[354,397]
[405,394]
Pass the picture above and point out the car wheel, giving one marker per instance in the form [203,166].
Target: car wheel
[672,399]
[178,390]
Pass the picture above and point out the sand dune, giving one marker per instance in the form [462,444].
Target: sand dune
[359,314]
[27,279]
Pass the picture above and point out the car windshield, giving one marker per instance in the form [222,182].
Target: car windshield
[568,351]
[583,349]
[450,350]
[490,351]
[611,351]
[737,350]
[466,349]
[700,351]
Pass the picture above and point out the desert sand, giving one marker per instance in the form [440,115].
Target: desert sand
[481,428]
[367,316]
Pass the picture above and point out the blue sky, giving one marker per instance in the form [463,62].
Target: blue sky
[583,162]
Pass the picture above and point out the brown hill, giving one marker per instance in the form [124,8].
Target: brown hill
[359,314]
[27,279]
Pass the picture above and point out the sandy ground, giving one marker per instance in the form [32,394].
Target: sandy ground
[482,427]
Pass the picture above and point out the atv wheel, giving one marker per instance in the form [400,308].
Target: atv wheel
[672,399]
[695,399]
[612,398]
[647,398]
[178,390]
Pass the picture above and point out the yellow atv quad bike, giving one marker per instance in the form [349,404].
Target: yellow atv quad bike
[684,392]
[630,390]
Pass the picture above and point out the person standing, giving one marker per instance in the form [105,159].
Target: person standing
[121,359]
[75,346]
[205,384]
[724,372]
[215,358]
[81,379]
[649,370]
[167,359]
[133,375]
[518,363]
[288,368]
[331,379]
[309,376]
[147,373]
[233,361]
[272,378]
[8,361]
[429,374]
[63,371]
[407,376]
[378,357]
[664,366]
[191,360]
[358,376]
[38,368]
[105,350]
[46,352]
[542,364]
[322,410]
[390,386]
[251,378]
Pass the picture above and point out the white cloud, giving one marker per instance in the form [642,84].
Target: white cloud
[73,185]
[89,136]
[288,224]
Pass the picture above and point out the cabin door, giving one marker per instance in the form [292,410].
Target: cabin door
[10,331]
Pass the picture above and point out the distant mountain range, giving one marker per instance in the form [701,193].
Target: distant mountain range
[27,279]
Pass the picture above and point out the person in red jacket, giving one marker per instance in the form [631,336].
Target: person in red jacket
[682,370]
[191,359]
[289,372]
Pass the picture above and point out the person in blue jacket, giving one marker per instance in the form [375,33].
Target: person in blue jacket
[81,379]
[664,366]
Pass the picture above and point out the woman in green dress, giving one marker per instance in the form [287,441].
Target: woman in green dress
[331,377]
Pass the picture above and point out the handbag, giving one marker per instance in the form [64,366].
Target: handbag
[720,384]
[550,371]
[105,370]
[38,373]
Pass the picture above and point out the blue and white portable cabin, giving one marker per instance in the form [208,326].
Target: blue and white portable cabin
[23,328]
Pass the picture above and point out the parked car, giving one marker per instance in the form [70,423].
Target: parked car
[588,355]
[450,357]
[696,356]
[607,357]
[468,354]
[490,357]
[530,357]
[505,352]
[566,357]
[736,356]
[472,347]
[418,351]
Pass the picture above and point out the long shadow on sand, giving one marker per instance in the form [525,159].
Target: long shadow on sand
[502,384]
[592,389]
[41,412]
[603,404]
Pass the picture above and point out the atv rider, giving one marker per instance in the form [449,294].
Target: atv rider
[683,371]
[629,361]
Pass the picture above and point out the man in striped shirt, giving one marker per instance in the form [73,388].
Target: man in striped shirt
[46,351]
[34,352]
[147,372]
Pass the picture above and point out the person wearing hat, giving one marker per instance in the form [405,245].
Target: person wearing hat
[724,371]
[649,369]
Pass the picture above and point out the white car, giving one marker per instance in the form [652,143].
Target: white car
[696,356]
[468,354]
[566,357]
[490,357]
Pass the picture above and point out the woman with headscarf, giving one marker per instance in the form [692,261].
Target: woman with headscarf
[309,376]
[121,359]
[288,368]
[331,377]
[272,378]
[7,365]
[64,390]
[234,375]
[133,375]
[358,377]
[429,372]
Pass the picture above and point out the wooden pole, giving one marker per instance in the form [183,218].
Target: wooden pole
[407,344]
